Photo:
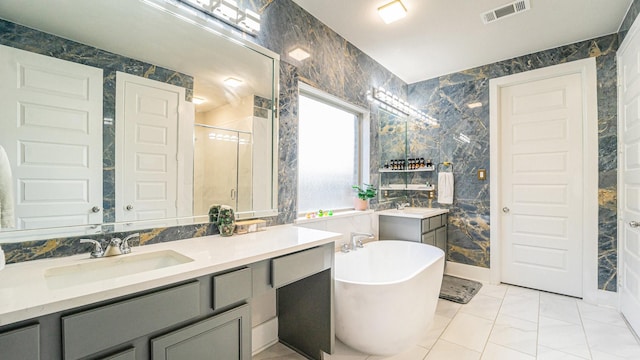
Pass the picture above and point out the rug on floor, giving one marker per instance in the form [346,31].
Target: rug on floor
[458,290]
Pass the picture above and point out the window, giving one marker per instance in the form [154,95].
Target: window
[330,151]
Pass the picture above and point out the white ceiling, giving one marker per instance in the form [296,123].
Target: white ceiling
[439,37]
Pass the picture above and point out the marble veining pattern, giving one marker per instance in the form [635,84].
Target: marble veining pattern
[342,70]
[446,97]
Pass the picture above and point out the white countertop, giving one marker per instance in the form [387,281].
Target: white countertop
[414,212]
[26,293]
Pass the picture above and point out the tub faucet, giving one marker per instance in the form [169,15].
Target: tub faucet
[401,206]
[356,240]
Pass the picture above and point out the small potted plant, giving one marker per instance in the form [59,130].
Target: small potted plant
[363,195]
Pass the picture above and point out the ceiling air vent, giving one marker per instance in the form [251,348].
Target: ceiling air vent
[505,11]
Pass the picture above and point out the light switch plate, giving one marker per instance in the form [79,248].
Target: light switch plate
[482,174]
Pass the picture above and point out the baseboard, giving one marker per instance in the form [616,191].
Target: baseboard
[264,335]
[468,272]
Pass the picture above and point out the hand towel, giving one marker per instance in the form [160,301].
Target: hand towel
[6,192]
[445,188]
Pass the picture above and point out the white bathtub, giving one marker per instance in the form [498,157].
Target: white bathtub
[386,295]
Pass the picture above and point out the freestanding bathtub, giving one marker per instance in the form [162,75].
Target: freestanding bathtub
[386,295]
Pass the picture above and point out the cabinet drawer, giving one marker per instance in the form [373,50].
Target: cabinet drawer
[123,355]
[224,336]
[21,344]
[95,330]
[435,222]
[232,287]
[290,268]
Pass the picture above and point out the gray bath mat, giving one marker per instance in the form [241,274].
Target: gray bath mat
[458,290]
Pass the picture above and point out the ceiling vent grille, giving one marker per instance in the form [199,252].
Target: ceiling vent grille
[505,11]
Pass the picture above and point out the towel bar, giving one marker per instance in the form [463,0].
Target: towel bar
[446,164]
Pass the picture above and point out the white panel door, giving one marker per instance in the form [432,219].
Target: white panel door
[147,122]
[629,179]
[542,180]
[51,112]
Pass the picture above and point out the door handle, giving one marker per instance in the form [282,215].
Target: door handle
[129,207]
[634,224]
[95,209]
[506,210]
[233,194]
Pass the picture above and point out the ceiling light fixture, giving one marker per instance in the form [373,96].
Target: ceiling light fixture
[392,11]
[232,82]
[198,101]
[397,106]
[299,54]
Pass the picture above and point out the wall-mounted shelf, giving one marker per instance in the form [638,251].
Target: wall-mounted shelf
[416,187]
[428,168]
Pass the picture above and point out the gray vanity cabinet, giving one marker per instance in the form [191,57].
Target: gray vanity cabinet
[431,230]
[225,336]
[20,344]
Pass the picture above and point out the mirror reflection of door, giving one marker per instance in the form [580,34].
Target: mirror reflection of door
[151,122]
[52,134]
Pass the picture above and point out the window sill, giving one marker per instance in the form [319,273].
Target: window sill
[340,215]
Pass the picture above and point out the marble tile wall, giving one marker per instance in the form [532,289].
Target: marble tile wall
[446,97]
[339,68]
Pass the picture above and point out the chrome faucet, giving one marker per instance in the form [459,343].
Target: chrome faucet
[401,206]
[114,248]
[355,241]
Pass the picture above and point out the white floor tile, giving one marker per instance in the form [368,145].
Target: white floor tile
[343,352]
[521,303]
[563,336]
[484,306]
[439,324]
[279,352]
[469,331]
[517,334]
[560,308]
[601,314]
[545,353]
[447,308]
[444,350]
[611,339]
[596,355]
[497,352]
[415,353]
[496,291]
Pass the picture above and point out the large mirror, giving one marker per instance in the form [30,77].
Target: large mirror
[138,113]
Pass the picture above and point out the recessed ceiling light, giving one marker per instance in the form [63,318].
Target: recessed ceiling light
[392,11]
[198,101]
[299,54]
[474,105]
[232,82]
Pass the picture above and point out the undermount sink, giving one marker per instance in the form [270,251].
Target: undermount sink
[112,267]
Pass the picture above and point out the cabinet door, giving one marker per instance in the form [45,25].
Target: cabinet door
[441,238]
[129,354]
[429,238]
[21,344]
[399,228]
[225,336]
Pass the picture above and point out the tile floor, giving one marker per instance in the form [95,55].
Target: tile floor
[509,322]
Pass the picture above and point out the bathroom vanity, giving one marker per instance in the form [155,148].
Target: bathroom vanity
[197,306]
[425,225]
